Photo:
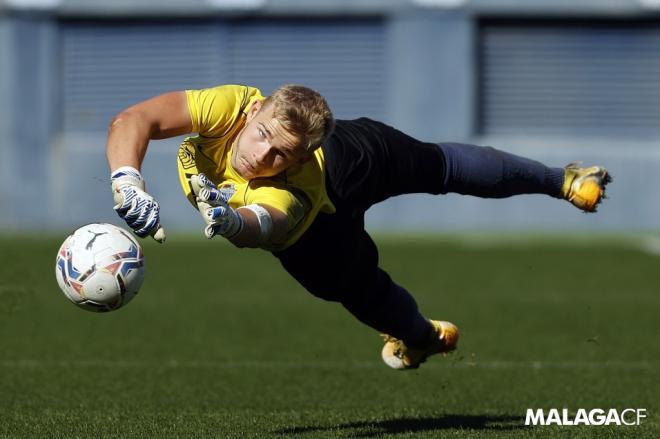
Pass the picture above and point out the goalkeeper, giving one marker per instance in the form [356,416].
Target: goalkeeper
[279,173]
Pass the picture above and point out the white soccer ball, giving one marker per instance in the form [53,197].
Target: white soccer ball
[100,267]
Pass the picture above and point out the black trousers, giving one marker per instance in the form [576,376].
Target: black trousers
[336,260]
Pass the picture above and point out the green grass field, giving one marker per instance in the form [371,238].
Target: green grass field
[222,343]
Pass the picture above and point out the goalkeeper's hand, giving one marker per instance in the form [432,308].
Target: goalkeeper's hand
[135,206]
[220,218]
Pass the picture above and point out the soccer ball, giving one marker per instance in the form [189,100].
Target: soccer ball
[100,267]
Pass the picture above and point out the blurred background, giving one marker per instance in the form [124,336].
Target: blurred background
[555,80]
[215,347]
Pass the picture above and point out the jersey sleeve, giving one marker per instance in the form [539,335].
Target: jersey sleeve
[213,111]
[295,205]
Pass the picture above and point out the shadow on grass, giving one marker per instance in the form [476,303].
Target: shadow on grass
[414,425]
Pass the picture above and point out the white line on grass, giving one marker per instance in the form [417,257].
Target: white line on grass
[294,364]
[650,244]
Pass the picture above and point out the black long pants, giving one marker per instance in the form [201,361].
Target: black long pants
[368,162]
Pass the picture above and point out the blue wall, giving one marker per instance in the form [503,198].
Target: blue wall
[56,179]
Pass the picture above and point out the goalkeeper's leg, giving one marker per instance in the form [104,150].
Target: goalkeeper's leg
[400,164]
[409,337]
[490,173]
[336,260]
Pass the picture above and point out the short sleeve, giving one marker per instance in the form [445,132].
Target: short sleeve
[295,206]
[214,111]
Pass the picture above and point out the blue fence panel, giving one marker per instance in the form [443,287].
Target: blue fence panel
[571,78]
[107,66]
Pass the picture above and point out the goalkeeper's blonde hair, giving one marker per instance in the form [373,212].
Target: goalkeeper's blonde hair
[303,112]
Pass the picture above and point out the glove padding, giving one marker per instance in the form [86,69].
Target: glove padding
[135,206]
[219,217]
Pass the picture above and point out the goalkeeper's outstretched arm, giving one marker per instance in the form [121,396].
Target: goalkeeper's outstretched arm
[129,133]
[253,225]
[128,138]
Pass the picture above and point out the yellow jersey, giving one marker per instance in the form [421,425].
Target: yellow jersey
[218,115]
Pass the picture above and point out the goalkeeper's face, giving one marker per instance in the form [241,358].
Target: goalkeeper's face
[264,148]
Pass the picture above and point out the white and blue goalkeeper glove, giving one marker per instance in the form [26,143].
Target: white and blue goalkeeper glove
[135,206]
[220,218]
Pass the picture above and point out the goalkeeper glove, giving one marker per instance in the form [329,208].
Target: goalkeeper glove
[135,206]
[220,218]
